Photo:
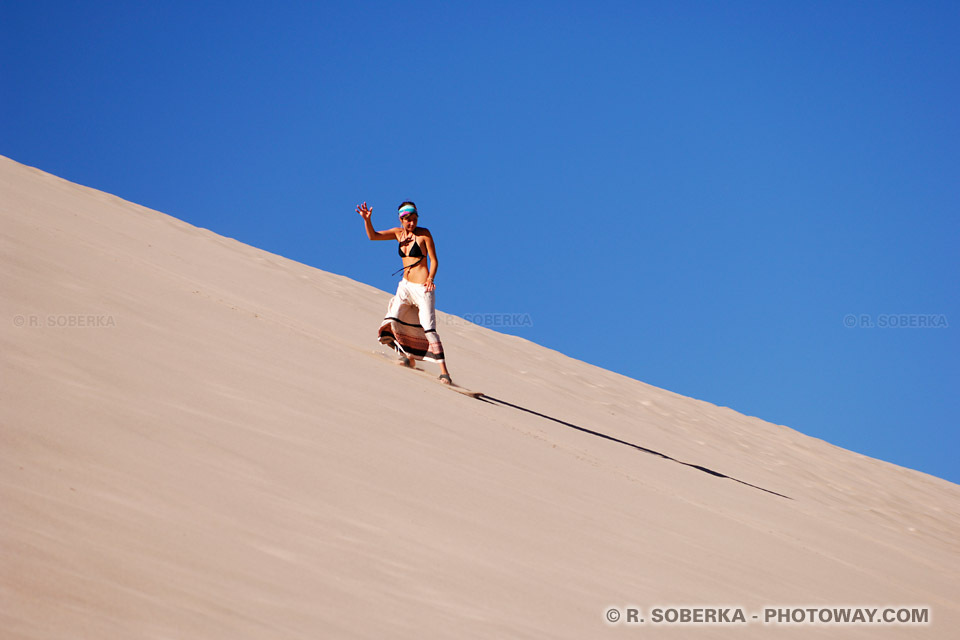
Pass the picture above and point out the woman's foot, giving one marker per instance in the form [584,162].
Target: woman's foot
[410,363]
[444,374]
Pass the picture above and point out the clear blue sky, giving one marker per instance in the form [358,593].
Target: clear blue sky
[694,194]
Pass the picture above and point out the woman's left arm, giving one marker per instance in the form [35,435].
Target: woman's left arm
[432,254]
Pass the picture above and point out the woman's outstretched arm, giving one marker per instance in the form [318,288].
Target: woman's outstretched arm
[365,213]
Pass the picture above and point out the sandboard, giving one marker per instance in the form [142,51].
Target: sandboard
[452,386]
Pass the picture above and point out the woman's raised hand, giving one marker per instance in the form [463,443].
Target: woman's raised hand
[364,210]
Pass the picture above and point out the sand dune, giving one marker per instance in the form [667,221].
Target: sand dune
[192,447]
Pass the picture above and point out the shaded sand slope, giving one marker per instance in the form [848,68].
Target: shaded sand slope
[220,452]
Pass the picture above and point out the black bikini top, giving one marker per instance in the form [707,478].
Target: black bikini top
[415,251]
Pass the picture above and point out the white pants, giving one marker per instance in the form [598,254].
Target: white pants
[418,296]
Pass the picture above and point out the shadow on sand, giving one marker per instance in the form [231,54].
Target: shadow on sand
[717,474]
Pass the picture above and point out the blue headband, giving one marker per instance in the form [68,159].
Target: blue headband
[407,209]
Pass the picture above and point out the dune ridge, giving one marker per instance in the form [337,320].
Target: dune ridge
[200,439]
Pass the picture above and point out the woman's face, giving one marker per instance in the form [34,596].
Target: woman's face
[409,222]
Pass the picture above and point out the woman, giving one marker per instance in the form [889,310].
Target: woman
[415,293]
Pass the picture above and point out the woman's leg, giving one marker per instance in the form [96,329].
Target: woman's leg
[426,307]
[393,311]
